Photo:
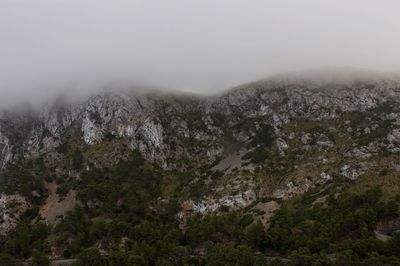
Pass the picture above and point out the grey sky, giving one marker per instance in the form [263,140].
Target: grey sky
[47,46]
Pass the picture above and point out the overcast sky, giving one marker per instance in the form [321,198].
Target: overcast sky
[47,46]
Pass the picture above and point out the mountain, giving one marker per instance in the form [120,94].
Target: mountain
[100,171]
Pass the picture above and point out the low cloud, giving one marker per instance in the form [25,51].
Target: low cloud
[48,47]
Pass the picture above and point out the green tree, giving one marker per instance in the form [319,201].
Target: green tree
[7,259]
[76,159]
[224,255]
[39,258]
[90,257]
[255,235]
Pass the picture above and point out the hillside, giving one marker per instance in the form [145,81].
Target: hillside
[288,170]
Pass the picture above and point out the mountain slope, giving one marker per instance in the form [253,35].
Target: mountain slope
[129,157]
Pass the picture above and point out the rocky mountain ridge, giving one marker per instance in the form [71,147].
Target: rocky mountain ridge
[249,149]
[147,119]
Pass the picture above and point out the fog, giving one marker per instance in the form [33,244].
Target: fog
[74,46]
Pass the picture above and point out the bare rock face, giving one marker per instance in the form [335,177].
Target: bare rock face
[11,208]
[363,152]
[291,188]
[394,140]
[212,205]
[352,172]
[6,154]
[267,209]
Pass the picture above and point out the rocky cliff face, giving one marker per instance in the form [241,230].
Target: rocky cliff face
[275,138]
[152,122]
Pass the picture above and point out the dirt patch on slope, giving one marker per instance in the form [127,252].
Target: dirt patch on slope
[54,208]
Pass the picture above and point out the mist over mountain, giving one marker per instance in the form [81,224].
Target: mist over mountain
[49,47]
[205,133]
[76,92]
